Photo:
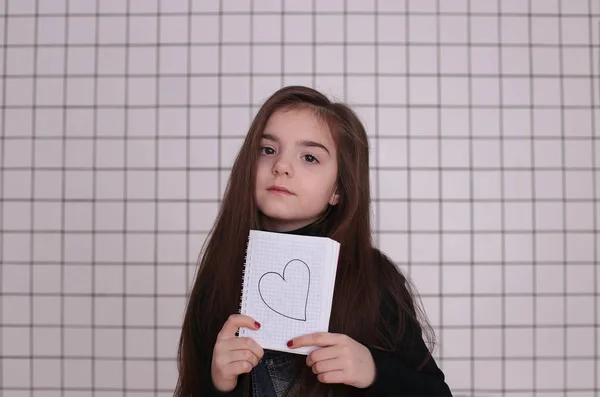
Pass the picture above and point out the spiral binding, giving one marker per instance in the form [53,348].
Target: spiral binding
[243,295]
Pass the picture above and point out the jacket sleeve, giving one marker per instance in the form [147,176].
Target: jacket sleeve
[395,378]
[399,373]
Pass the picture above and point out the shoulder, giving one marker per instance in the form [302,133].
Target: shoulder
[391,283]
[398,297]
[388,271]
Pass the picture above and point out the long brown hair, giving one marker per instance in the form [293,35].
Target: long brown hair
[363,278]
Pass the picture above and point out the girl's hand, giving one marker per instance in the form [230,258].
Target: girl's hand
[340,359]
[233,356]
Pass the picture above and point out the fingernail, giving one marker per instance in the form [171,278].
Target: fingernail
[256,325]
[290,343]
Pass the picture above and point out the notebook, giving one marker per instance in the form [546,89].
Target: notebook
[288,287]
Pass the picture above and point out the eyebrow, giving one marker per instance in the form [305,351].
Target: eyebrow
[302,143]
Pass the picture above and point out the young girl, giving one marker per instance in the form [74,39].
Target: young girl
[304,168]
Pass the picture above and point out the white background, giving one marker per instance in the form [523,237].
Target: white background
[120,121]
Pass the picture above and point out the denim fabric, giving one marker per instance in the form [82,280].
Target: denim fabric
[272,375]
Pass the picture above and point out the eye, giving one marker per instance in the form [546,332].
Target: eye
[309,158]
[267,150]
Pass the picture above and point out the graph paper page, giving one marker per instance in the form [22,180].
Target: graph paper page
[288,287]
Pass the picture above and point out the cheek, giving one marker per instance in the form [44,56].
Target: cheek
[262,167]
[263,171]
[331,180]
[265,161]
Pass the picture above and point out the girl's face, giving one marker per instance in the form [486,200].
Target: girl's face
[297,170]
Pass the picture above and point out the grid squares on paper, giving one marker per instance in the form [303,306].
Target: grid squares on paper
[303,260]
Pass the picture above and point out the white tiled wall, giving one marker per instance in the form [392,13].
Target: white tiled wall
[120,121]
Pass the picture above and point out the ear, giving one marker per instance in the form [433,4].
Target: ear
[335,198]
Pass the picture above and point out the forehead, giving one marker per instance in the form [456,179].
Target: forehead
[299,124]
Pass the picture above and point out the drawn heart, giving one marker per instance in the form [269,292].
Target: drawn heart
[287,294]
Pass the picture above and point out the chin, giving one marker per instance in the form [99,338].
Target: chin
[276,213]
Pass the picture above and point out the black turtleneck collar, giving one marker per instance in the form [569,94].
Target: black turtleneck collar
[312,229]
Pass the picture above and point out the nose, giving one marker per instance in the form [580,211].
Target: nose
[282,167]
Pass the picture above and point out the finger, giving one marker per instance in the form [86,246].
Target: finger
[327,366]
[240,367]
[243,355]
[331,377]
[316,339]
[234,322]
[248,344]
[325,353]
[230,351]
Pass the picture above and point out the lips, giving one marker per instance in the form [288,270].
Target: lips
[279,189]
